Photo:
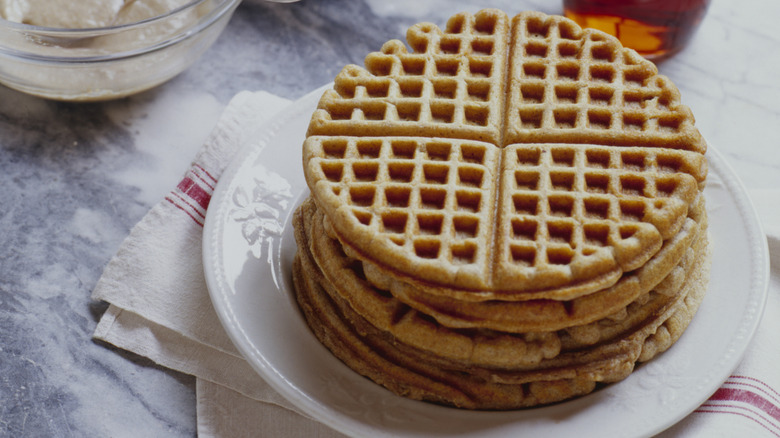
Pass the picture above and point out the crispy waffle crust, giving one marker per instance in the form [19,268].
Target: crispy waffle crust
[503,213]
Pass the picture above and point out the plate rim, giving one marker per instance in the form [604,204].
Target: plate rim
[216,283]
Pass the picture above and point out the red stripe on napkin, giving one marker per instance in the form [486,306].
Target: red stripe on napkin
[197,220]
[748,397]
[193,193]
[758,384]
[204,175]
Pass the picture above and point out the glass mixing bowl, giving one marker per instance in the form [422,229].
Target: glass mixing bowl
[109,62]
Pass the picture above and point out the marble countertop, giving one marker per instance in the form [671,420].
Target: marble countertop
[77,177]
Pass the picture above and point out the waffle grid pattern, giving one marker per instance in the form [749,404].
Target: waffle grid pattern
[429,197]
[448,86]
[574,85]
[579,218]
[562,204]
[568,212]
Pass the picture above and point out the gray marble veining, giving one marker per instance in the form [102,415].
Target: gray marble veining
[76,177]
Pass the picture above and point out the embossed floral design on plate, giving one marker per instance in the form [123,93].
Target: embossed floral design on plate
[248,251]
[258,207]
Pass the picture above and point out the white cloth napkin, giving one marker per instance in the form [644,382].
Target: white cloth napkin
[160,309]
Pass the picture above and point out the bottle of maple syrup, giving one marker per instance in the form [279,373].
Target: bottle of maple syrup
[656,29]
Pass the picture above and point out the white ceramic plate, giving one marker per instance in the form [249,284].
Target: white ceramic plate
[248,251]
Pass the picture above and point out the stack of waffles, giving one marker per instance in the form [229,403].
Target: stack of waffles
[507,213]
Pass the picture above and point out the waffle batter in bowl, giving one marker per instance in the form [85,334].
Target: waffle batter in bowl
[107,52]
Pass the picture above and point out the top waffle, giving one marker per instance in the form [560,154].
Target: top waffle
[505,158]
